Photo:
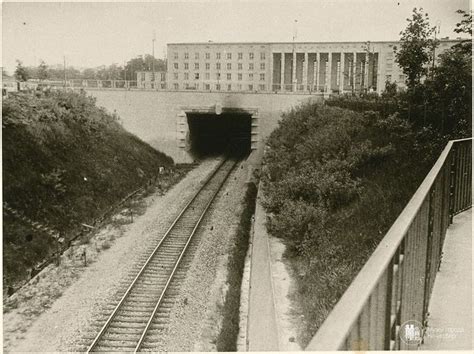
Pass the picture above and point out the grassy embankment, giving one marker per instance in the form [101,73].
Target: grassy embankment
[334,181]
[65,161]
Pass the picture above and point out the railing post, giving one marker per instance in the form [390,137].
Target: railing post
[429,251]
[452,179]
[388,307]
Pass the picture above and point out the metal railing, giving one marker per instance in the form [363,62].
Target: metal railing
[88,84]
[395,284]
[316,89]
[113,84]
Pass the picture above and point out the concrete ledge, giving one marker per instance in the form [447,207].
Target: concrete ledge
[450,309]
[262,319]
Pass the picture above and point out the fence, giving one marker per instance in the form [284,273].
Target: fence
[163,86]
[114,84]
[395,284]
[316,89]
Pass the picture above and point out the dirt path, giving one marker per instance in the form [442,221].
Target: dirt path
[73,293]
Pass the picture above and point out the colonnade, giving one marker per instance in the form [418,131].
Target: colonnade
[325,71]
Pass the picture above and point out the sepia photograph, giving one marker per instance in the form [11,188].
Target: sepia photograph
[236,175]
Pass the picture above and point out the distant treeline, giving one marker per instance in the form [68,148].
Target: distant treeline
[111,72]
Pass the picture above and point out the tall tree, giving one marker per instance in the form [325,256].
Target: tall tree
[416,48]
[465,27]
[89,73]
[42,71]
[21,73]
[143,64]
[450,91]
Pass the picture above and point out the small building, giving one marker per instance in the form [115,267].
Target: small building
[9,85]
[153,80]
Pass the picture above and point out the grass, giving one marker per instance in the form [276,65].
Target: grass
[65,162]
[227,338]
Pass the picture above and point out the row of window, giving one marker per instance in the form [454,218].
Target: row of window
[240,56]
[218,76]
[153,76]
[219,87]
[218,66]
[401,78]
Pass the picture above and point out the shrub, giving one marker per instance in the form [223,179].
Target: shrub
[334,180]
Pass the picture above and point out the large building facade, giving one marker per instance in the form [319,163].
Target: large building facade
[319,67]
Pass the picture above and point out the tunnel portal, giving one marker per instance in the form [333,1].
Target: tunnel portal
[227,133]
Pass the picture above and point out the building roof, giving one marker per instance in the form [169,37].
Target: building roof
[291,43]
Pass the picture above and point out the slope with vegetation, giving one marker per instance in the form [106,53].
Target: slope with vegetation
[334,181]
[337,175]
[65,161]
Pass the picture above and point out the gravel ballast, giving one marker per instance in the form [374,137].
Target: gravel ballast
[196,318]
[73,293]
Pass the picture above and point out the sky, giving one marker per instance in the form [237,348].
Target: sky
[101,33]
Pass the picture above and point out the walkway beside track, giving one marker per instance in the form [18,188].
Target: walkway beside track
[262,323]
[450,320]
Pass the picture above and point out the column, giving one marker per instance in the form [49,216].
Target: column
[341,77]
[380,76]
[305,71]
[293,71]
[328,73]
[269,88]
[354,63]
[316,72]
[282,88]
[366,71]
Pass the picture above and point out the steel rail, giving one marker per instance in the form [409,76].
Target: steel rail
[142,269]
[140,341]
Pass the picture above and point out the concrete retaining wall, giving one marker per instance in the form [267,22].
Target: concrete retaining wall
[157,116]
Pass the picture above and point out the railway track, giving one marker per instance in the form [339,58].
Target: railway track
[141,313]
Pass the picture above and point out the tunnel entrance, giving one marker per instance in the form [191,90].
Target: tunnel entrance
[227,133]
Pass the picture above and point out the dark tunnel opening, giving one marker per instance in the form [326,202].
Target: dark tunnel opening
[223,134]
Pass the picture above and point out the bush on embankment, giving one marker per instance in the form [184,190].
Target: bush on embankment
[334,180]
[65,161]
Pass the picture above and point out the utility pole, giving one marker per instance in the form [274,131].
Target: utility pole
[437,29]
[366,66]
[153,61]
[64,57]
[293,58]
[153,53]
